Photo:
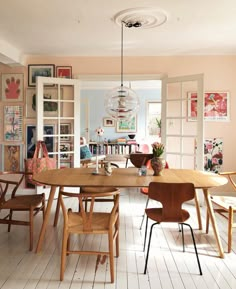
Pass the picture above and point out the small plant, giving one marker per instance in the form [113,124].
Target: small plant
[157,149]
[158,121]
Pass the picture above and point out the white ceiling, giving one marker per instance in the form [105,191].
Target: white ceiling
[87,28]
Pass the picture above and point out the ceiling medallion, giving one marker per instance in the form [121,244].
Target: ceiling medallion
[148,17]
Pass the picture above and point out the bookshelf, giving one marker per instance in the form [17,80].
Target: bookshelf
[114,148]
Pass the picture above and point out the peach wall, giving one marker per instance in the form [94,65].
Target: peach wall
[219,73]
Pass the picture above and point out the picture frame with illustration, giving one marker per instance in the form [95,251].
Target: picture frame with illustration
[64,72]
[65,130]
[31,133]
[12,156]
[216,106]
[64,148]
[213,155]
[12,87]
[13,123]
[35,70]
[50,106]
[108,122]
[127,125]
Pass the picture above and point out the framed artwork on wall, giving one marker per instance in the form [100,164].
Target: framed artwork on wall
[216,106]
[12,86]
[127,125]
[213,155]
[34,70]
[13,120]
[64,148]
[65,129]
[64,71]
[108,121]
[50,106]
[31,134]
[12,158]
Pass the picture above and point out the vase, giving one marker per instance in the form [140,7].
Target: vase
[108,169]
[158,164]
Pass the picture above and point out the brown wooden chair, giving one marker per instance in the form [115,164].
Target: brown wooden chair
[171,196]
[139,159]
[226,207]
[11,202]
[91,222]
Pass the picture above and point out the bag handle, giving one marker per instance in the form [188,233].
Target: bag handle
[40,144]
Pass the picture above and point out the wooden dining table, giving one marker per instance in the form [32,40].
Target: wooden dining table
[126,178]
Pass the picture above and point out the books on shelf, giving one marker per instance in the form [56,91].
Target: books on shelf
[133,141]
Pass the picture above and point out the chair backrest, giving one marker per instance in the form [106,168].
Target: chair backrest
[171,196]
[9,183]
[87,217]
[140,159]
[231,176]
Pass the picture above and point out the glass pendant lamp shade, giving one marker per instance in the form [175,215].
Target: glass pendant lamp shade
[121,103]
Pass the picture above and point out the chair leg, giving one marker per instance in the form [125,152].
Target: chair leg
[144,214]
[145,236]
[230,228]
[149,243]
[10,217]
[207,222]
[63,254]
[182,231]
[31,227]
[111,256]
[117,238]
[195,247]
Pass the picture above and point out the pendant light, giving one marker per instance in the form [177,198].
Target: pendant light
[122,102]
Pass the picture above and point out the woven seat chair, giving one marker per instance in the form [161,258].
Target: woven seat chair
[91,222]
[11,202]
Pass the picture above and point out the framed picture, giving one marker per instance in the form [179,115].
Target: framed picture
[216,106]
[34,70]
[127,125]
[65,130]
[31,134]
[50,107]
[213,155]
[64,148]
[108,121]
[13,121]
[12,86]
[64,71]
[12,158]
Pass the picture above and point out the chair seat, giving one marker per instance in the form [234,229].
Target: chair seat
[100,223]
[156,214]
[23,202]
[225,201]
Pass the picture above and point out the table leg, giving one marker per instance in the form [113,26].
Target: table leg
[198,211]
[46,217]
[213,222]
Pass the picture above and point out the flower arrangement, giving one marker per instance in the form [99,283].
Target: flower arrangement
[157,149]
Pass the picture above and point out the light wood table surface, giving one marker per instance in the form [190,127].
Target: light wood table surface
[128,177]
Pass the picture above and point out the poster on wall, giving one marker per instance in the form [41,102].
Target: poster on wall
[12,158]
[213,155]
[12,87]
[127,125]
[216,106]
[13,123]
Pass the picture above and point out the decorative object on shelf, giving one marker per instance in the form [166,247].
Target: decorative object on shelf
[131,136]
[108,169]
[99,131]
[157,162]
[122,102]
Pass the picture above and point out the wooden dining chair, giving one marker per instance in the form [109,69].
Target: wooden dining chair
[91,222]
[11,202]
[226,207]
[171,196]
[139,159]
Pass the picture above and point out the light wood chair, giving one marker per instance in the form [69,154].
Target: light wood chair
[11,202]
[90,222]
[171,196]
[226,207]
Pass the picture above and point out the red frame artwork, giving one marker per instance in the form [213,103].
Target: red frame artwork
[216,106]
[64,71]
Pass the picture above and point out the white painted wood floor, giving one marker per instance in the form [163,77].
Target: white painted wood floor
[168,266]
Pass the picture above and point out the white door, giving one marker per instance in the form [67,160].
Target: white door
[182,130]
[58,118]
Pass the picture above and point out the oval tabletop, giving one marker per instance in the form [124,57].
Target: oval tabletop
[127,177]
